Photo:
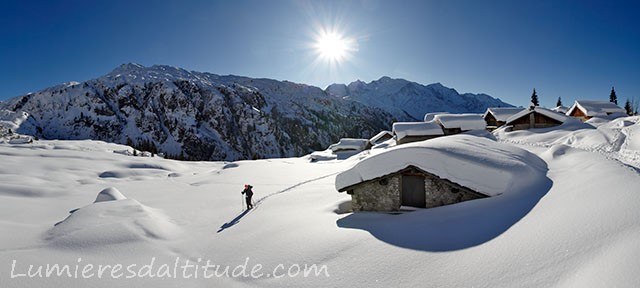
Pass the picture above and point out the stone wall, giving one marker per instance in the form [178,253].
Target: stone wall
[377,195]
[385,194]
[441,192]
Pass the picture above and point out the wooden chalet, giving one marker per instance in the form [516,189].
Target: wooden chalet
[406,132]
[496,117]
[535,117]
[457,123]
[587,109]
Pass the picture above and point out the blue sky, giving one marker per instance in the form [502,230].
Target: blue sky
[571,49]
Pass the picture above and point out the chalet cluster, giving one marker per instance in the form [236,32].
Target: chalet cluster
[417,186]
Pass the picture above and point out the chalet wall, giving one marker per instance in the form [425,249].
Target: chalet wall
[409,139]
[542,119]
[384,194]
[382,139]
[577,113]
[533,120]
[492,122]
[377,195]
[451,131]
[441,192]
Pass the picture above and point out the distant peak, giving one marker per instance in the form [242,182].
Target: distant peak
[388,81]
[337,90]
[439,87]
[168,67]
[127,67]
[356,84]
[131,65]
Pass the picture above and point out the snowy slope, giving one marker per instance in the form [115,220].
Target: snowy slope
[411,101]
[580,231]
[203,116]
[10,123]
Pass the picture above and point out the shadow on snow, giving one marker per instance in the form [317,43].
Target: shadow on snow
[234,221]
[453,227]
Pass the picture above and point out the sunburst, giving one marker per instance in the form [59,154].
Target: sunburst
[333,47]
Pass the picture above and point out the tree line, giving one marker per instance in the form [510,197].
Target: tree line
[630,106]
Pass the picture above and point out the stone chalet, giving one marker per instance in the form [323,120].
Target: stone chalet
[410,186]
[437,172]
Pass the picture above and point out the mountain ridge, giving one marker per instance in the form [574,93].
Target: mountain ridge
[400,97]
[204,116]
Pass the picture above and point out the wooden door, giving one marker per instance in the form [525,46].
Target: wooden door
[413,193]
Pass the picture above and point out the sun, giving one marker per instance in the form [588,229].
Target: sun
[333,47]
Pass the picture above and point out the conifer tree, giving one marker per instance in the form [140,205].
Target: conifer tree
[534,98]
[612,97]
[559,103]
[628,108]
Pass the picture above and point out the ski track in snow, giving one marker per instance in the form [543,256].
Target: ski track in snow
[259,202]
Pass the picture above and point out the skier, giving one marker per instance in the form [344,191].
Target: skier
[248,194]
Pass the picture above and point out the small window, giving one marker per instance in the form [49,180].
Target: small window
[383,182]
[455,190]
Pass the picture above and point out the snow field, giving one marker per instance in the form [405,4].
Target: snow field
[577,228]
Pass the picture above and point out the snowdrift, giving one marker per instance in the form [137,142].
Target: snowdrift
[618,138]
[111,219]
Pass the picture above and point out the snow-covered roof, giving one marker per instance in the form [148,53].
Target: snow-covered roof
[544,111]
[404,129]
[465,122]
[560,109]
[379,136]
[349,144]
[430,116]
[502,113]
[594,108]
[478,163]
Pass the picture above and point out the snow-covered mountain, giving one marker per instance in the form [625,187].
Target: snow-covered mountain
[210,117]
[198,115]
[405,99]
